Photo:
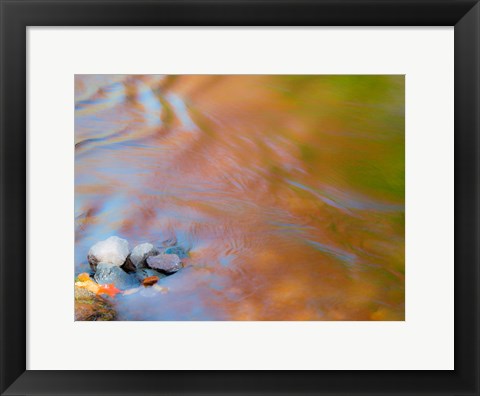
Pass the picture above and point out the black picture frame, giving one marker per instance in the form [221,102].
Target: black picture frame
[17,15]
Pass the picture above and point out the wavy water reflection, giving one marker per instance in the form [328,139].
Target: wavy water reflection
[288,191]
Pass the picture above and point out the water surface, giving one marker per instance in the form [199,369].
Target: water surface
[288,191]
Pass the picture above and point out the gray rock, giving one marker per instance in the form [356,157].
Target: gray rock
[168,263]
[143,273]
[109,273]
[113,250]
[141,252]
[179,251]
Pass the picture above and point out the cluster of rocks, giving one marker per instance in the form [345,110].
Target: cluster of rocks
[112,262]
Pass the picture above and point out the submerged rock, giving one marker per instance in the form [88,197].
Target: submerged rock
[141,252]
[90,307]
[113,250]
[143,273]
[110,273]
[179,251]
[168,263]
[169,242]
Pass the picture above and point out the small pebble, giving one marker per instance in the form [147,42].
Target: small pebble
[179,251]
[150,281]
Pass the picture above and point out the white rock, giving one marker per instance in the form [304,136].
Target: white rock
[140,254]
[113,250]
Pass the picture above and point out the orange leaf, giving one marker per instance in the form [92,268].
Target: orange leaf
[109,289]
[83,277]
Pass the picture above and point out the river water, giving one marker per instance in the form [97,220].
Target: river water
[288,191]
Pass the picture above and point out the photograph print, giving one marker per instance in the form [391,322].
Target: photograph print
[239,198]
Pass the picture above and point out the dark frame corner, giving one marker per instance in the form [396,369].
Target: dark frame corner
[17,15]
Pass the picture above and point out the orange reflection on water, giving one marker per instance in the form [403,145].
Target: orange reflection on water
[288,191]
